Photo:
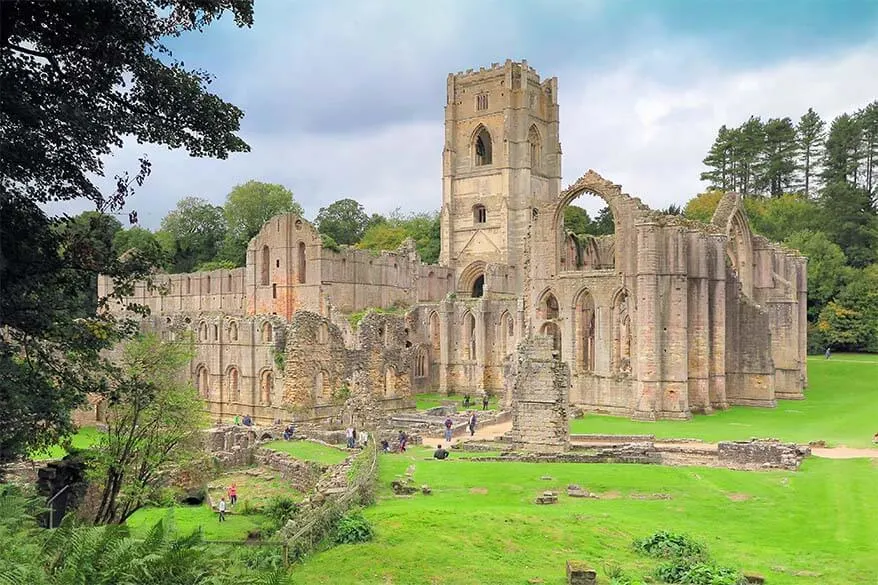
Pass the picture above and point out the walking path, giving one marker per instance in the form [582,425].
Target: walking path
[489,432]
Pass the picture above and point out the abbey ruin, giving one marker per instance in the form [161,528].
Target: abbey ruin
[665,318]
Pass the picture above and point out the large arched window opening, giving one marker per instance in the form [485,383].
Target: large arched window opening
[585,226]
[472,280]
[302,263]
[202,331]
[622,332]
[267,332]
[233,384]
[266,266]
[536,149]
[266,386]
[202,378]
[548,307]
[421,363]
[478,287]
[584,332]
[483,147]
[233,331]
[469,336]
[435,337]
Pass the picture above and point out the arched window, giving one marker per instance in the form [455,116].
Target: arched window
[622,332]
[266,266]
[483,147]
[469,336]
[533,139]
[233,384]
[266,386]
[479,286]
[549,306]
[207,284]
[216,332]
[202,331]
[421,363]
[267,332]
[584,332]
[507,334]
[202,381]
[434,332]
[302,263]
[480,215]
[233,331]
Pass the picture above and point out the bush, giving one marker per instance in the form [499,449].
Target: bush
[278,511]
[351,528]
[667,545]
[249,508]
[691,572]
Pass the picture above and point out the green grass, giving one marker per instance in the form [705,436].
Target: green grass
[84,438]
[308,451]
[256,490]
[190,518]
[434,399]
[840,407]
[480,525]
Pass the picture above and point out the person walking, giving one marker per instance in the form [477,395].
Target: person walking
[233,494]
[237,419]
[403,439]
[222,509]
[349,435]
[828,352]
[485,401]
[448,424]
[472,424]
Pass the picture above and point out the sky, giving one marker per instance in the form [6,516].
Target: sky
[345,98]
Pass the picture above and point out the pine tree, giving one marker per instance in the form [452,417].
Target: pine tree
[843,154]
[718,160]
[810,135]
[777,165]
[868,117]
[749,143]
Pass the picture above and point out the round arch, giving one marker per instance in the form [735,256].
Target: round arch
[472,275]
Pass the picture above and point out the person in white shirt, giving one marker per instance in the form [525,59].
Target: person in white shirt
[222,509]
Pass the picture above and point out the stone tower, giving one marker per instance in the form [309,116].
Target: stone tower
[502,158]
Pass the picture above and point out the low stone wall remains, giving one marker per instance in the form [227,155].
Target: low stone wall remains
[302,475]
[771,454]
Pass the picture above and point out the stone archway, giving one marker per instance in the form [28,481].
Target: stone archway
[472,280]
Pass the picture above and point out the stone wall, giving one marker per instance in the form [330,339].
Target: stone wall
[756,454]
[302,475]
[539,405]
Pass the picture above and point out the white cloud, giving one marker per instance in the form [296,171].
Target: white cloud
[628,124]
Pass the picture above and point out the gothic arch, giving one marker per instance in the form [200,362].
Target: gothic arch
[584,328]
[622,321]
[472,280]
[482,147]
[507,334]
[266,387]
[469,335]
[421,363]
[267,333]
[535,144]
[435,334]
[548,307]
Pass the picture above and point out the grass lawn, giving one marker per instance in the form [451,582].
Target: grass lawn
[840,407]
[480,526]
[255,489]
[308,451]
[433,399]
[190,518]
[84,438]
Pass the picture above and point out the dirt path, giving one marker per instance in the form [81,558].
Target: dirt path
[843,452]
[483,433]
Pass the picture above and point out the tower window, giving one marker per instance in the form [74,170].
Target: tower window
[480,215]
[483,148]
[482,102]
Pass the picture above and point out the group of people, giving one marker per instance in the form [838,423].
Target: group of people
[247,420]
[471,425]
[467,402]
[233,499]
[355,439]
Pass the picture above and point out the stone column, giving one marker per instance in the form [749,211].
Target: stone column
[674,333]
[647,367]
[698,305]
[802,291]
[717,322]
[446,319]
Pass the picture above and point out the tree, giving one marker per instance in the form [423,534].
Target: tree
[777,165]
[810,134]
[423,228]
[154,422]
[701,207]
[827,267]
[135,238]
[344,221]
[854,223]
[77,78]
[842,157]
[869,121]
[719,161]
[192,233]
[576,220]
[778,218]
[246,210]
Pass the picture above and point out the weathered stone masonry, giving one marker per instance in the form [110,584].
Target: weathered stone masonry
[664,318]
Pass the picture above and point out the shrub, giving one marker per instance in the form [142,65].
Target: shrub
[278,511]
[691,572]
[351,528]
[667,545]
[249,508]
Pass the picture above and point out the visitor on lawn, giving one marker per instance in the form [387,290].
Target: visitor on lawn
[385,446]
[237,419]
[349,435]
[466,401]
[485,402]
[364,438]
[289,432]
[222,509]
[248,422]
[233,494]
[403,439]
[448,424]
[472,424]
[440,453]
[828,352]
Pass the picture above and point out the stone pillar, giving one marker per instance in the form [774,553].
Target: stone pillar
[802,292]
[674,329]
[541,384]
[647,373]
[698,305]
[446,318]
[717,322]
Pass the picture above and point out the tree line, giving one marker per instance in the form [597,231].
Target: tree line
[198,235]
[815,191]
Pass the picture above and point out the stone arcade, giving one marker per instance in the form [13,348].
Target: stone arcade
[662,319]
